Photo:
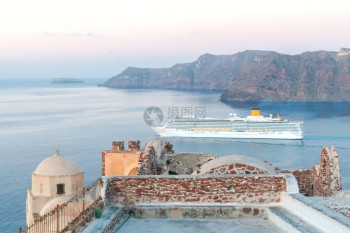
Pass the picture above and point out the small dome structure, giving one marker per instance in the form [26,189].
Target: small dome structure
[57,165]
[236,164]
[55,180]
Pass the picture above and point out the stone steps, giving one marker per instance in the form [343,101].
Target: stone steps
[290,222]
[309,210]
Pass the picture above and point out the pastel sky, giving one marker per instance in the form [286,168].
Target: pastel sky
[86,38]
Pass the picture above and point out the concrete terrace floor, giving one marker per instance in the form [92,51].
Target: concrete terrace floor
[245,225]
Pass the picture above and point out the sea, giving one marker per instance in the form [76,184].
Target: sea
[82,120]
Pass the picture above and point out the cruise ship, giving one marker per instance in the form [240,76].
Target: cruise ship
[254,126]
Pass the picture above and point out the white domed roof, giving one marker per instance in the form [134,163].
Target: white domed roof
[57,165]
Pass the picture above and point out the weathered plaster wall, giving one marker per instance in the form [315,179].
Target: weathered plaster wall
[259,189]
[120,162]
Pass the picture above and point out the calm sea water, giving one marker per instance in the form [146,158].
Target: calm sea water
[82,120]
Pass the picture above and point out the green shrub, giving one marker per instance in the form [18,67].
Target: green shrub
[98,213]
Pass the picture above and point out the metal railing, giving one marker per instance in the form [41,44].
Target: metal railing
[58,219]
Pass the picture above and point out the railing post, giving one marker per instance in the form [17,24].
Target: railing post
[83,199]
[58,218]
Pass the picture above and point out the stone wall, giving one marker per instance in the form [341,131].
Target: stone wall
[199,211]
[134,145]
[233,189]
[326,176]
[157,157]
[148,161]
[118,145]
[236,168]
[187,163]
[322,179]
[304,179]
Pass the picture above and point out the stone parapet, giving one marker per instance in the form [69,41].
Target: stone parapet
[211,189]
[198,211]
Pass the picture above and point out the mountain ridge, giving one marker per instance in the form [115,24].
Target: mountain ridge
[252,75]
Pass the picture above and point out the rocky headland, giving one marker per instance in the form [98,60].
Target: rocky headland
[320,76]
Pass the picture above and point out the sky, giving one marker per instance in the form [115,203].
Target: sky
[99,39]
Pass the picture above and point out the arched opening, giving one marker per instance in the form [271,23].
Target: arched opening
[131,170]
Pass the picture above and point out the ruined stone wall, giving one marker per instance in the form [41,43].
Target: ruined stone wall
[259,189]
[304,179]
[322,179]
[187,163]
[134,145]
[118,145]
[326,176]
[236,168]
[148,161]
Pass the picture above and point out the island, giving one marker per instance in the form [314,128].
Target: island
[252,76]
[65,80]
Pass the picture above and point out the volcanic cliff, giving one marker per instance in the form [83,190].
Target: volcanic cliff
[252,76]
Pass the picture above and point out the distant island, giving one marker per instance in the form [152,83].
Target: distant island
[65,80]
[252,75]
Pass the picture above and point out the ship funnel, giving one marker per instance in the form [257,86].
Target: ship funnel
[255,112]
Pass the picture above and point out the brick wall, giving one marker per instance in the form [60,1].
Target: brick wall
[234,189]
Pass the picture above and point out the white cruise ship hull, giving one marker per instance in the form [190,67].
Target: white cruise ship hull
[254,126]
[165,132]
